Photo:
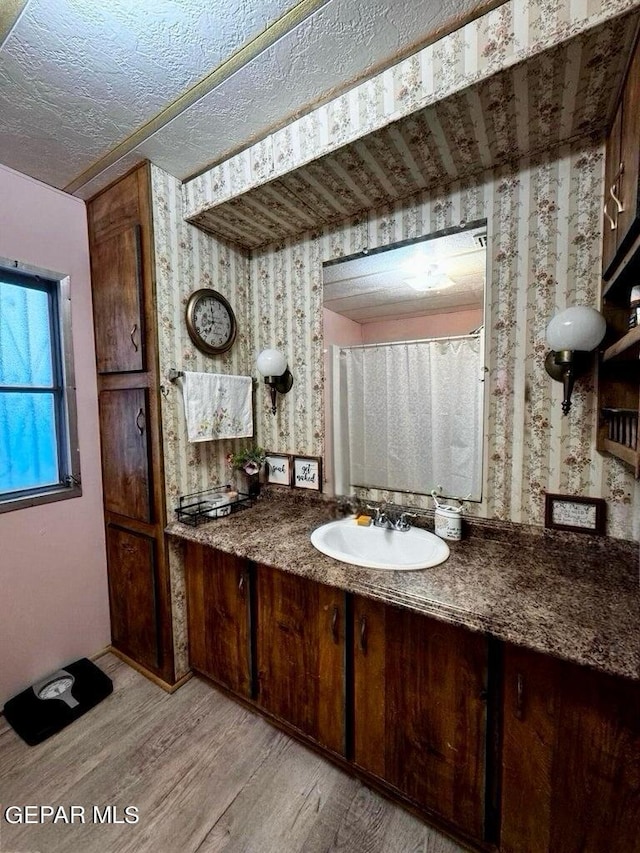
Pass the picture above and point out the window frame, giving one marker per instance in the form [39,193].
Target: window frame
[58,287]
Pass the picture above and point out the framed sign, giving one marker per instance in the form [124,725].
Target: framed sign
[579,515]
[307,472]
[278,468]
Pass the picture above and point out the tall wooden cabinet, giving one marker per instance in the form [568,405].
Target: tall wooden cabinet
[122,274]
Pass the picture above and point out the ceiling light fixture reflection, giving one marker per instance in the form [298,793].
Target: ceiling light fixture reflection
[430,279]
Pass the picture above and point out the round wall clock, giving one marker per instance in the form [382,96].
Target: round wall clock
[211,322]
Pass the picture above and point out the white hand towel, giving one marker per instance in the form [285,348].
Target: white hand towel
[217,406]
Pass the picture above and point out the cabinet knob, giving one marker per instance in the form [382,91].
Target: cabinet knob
[140,421]
[132,336]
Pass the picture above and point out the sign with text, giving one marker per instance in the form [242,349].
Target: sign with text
[278,469]
[307,472]
[575,513]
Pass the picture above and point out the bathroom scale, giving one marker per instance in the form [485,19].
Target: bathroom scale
[57,700]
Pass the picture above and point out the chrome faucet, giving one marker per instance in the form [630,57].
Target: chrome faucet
[380,518]
[386,520]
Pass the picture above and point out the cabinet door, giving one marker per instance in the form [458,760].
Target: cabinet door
[420,709]
[571,758]
[219,616]
[125,453]
[300,653]
[628,219]
[117,302]
[133,595]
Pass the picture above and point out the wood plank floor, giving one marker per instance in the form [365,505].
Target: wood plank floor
[205,774]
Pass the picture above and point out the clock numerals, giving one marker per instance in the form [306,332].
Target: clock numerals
[211,322]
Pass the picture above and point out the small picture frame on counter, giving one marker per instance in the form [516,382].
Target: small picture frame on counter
[575,514]
[307,472]
[278,467]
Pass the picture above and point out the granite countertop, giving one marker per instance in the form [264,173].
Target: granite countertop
[572,595]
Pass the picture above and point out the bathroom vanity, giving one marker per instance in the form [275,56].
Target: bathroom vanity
[497,694]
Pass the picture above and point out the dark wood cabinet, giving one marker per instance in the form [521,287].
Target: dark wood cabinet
[629,215]
[219,616]
[621,206]
[116,266]
[420,709]
[510,749]
[571,758]
[124,443]
[122,276]
[300,654]
[619,367]
[133,589]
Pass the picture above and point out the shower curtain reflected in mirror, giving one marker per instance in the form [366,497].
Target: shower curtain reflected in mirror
[410,417]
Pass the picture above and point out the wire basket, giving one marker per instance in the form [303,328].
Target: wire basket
[209,504]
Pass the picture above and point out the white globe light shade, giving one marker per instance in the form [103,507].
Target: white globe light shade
[271,362]
[576,328]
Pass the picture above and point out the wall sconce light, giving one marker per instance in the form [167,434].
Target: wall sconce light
[273,366]
[572,334]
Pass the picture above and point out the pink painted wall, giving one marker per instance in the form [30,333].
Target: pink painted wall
[53,579]
[430,326]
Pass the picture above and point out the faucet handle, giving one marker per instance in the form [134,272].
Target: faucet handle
[381,519]
[402,523]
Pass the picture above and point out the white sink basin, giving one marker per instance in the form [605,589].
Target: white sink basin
[377,548]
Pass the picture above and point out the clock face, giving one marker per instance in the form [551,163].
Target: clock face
[211,322]
[56,687]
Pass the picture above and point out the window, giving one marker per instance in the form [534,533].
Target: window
[39,459]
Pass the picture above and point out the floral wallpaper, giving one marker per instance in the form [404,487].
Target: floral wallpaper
[543,224]
[501,39]
[555,96]
[186,259]
[543,221]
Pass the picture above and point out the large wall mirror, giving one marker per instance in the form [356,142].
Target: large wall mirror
[404,363]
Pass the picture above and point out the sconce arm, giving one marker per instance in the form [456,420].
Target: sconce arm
[565,366]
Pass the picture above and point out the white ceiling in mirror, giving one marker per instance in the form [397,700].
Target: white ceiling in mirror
[87,89]
[377,286]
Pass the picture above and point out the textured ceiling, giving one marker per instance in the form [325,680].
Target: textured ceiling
[87,89]
[374,287]
[559,95]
